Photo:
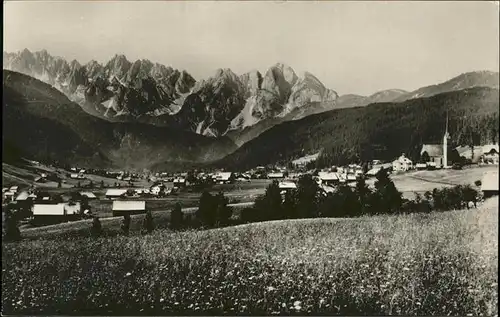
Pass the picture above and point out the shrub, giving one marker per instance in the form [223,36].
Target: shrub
[268,206]
[12,232]
[176,217]
[147,223]
[213,210]
[126,225]
[96,227]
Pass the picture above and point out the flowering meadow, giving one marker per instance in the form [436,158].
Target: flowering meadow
[419,264]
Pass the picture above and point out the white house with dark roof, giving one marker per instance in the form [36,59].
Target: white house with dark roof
[114,193]
[402,164]
[130,207]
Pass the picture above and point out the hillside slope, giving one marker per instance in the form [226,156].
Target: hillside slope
[378,131]
[45,125]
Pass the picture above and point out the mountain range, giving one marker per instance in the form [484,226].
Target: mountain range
[42,123]
[147,92]
[143,114]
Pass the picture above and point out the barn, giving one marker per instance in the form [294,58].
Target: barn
[489,184]
[52,213]
[115,193]
[130,207]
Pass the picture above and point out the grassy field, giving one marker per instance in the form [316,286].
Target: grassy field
[434,264]
[422,181]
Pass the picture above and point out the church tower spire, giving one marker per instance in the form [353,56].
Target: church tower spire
[445,144]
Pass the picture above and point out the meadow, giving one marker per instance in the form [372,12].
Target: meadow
[419,264]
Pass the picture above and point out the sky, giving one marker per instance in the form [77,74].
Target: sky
[352,47]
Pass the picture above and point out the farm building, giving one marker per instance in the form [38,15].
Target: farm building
[130,207]
[490,153]
[328,178]
[474,154]
[275,175]
[52,213]
[224,177]
[115,193]
[89,195]
[421,166]
[180,182]
[287,185]
[402,164]
[489,184]
[351,178]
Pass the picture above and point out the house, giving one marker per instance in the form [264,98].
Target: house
[474,154]
[52,213]
[490,153]
[278,175]
[89,195]
[489,184]
[351,178]
[156,189]
[130,207]
[115,193]
[9,196]
[402,164]
[224,177]
[286,187]
[421,166]
[14,189]
[328,178]
[180,182]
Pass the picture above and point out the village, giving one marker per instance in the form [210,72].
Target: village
[76,193]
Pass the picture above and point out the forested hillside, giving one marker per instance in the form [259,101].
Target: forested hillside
[378,131]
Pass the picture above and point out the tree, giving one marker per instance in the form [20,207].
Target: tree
[207,210]
[224,212]
[289,205]
[364,195]
[424,158]
[96,227]
[12,232]
[478,183]
[59,184]
[102,183]
[91,184]
[308,192]
[147,223]
[176,217]
[126,224]
[387,199]
[78,184]
[268,206]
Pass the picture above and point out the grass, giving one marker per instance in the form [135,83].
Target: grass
[433,264]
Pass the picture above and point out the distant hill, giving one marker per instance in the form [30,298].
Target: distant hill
[378,131]
[463,81]
[40,122]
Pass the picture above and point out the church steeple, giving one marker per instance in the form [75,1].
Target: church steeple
[445,143]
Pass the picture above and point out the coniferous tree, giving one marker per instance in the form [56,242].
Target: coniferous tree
[387,198]
[12,232]
[176,217]
[147,223]
[308,198]
[268,206]
[126,224]
[96,227]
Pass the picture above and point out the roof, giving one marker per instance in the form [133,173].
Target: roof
[287,185]
[223,175]
[116,192]
[275,175]
[490,182]
[72,208]
[433,150]
[129,205]
[328,189]
[325,176]
[490,147]
[48,210]
[14,188]
[179,180]
[23,196]
[88,194]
